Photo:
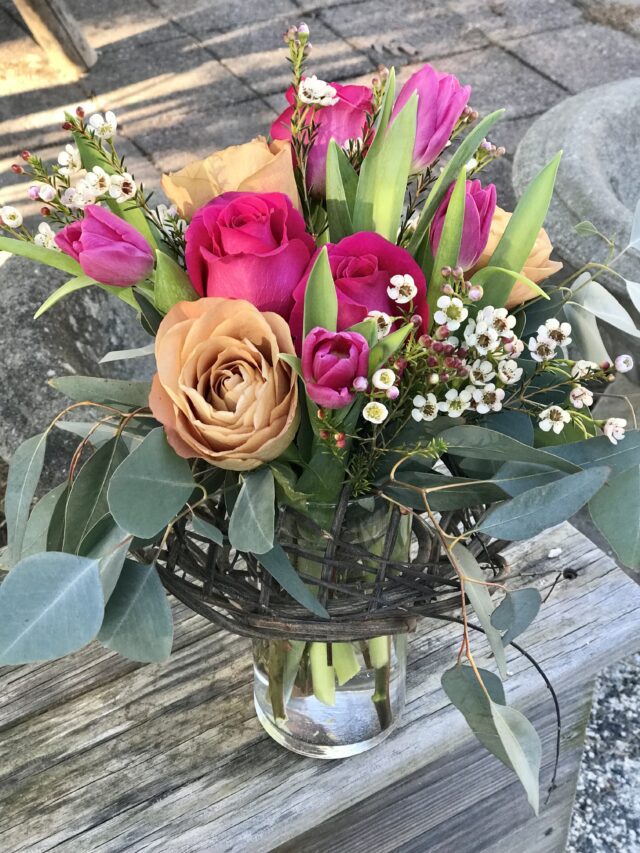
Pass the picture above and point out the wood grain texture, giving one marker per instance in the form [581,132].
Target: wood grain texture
[99,754]
[54,28]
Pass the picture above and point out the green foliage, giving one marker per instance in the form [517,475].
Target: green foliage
[65,289]
[382,351]
[276,562]
[150,487]
[137,620]
[171,284]
[516,612]
[320,298]
[206,529]
[520,234]
[342,183]
[35,535]
[600,451]
[50,605]
[49,257]
[530,513]
[518,477]
[124,392]
[505,732]
[614,510]
[108,544]
[462,155]
[252,522]
[486,275]
[450,239]
[23,478]
[478,595]
[126,354]
[512,423]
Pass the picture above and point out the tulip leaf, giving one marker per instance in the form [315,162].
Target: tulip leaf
[65,289]
[292,360]
[320,298]
[94,389]
[137,621]
[342,182]
[516,612]
[25,469]
[50,605]
[544,506]
[171,284]
[382,351]
[384,174]
[515,245]
[485,275]
[35,534]
[150,487]
[50,257]
[449,246]
[368,329]
[614,510]
[87,501]
[478,595]
[277,563]
[460,158]
[252,522]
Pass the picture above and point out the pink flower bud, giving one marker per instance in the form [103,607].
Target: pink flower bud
[624,363]
[476,292]
[393,393]
[360,383]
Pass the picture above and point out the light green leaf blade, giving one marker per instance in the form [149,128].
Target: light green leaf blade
[483,276]
[596,299]
[49,257]
[138,622]
[633,289]
[320,297]
[585,333]
[462,155]
[519,236]
[125,354]
[530,513]
[522,744]
[342,183]
[449,245]
[150,487]
[382,351]
[93,389]
[65,289]
[516,612]
[279,567]
[252,522]
[614,510]
[50,605]
[25,469]
[171,284]
[480,599]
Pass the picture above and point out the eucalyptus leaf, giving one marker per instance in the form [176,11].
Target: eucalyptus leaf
[65,289]
[108,544]
[600,302]
[600,451]
[633,289]
[99,434]
[50,605]
[585,228]
[206,529]
[522,744]
[49,257]
[512,423]
[514,478]
[277,563]
[320,297]
[585,333]
[171,284]
[516,612]
[25,469]
[535,510]
[614,510]
[137,620]
[94,389]
[125,354]
[35,535]
[478,595]
[252,522]
[55,532]
[634,237]
[150,487]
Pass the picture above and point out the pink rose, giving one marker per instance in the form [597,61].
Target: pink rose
[362,266]
[251,246]
[441,102]
[343,121]
[107,248]
[480,205]
[331,362]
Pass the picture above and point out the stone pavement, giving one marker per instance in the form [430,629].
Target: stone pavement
[186,78]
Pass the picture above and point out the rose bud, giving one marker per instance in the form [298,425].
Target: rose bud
[480,204]
[107,248]
[441,102]
[331,362]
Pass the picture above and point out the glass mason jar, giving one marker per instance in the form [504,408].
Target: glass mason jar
[332,700]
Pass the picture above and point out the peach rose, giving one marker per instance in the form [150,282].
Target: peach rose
[537,267]
[255,166]
[221,391]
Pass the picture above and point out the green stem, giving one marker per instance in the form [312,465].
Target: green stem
[277,657]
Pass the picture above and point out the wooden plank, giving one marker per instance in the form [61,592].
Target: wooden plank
[172,758]
[54,28]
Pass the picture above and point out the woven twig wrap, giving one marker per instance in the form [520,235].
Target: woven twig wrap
[366,594]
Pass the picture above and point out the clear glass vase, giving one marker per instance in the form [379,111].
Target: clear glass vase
[333,700]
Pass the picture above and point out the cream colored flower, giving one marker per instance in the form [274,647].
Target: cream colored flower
[222,392]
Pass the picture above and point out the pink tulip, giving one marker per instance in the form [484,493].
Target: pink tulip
[108,249]
[331,364]
[441,102]
[480,205]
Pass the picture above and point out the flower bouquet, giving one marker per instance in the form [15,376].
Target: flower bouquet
[361,394]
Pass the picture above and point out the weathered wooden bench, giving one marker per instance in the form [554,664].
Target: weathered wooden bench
[100,754]
[56,31]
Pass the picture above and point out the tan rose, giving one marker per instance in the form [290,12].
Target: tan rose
[255,166]
[221,391]
[537,267]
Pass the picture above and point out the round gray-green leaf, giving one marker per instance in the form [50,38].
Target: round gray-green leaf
[50,605]
[252,522]
[150,487]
